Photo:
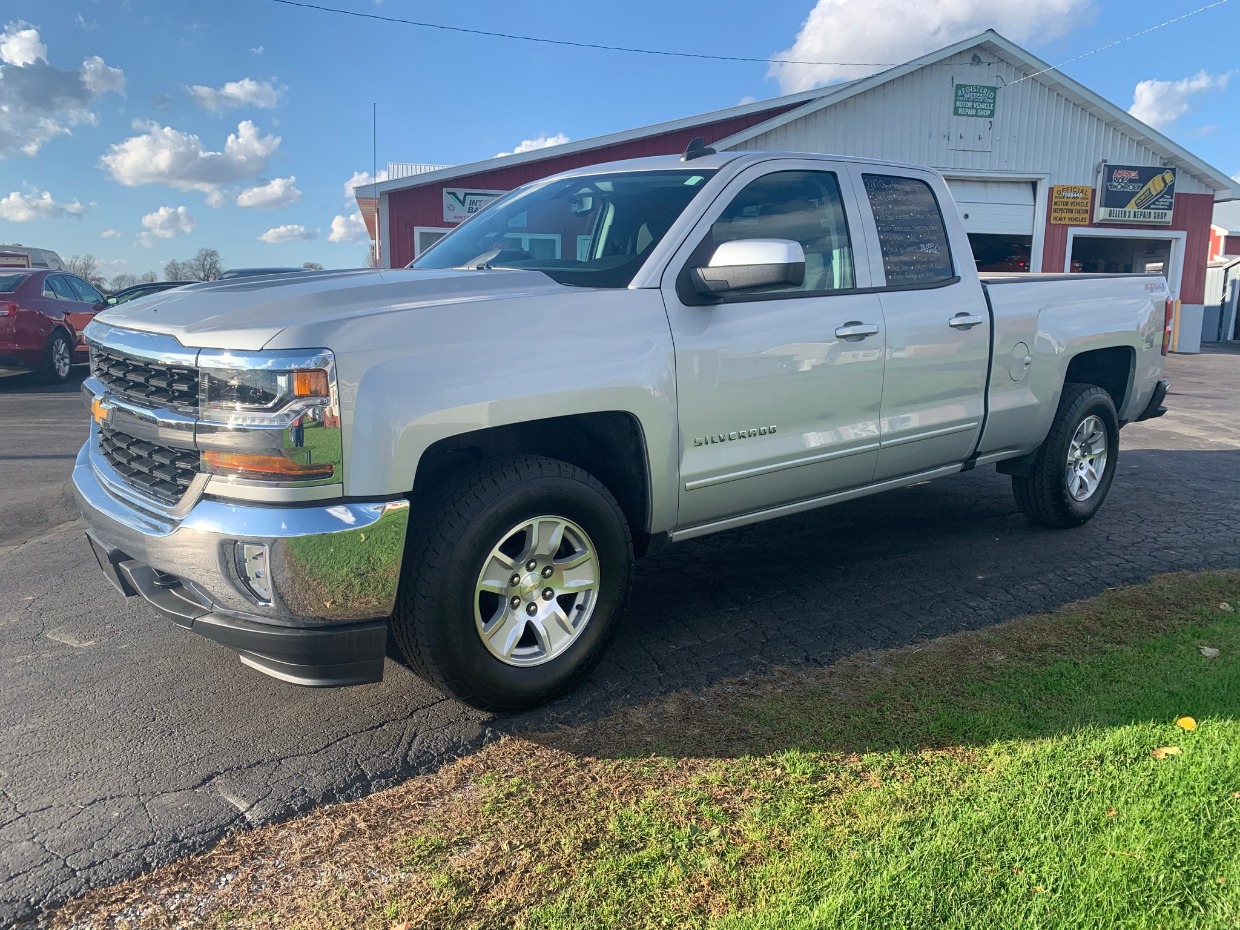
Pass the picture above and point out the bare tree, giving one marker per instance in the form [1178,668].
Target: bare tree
[121,281]
[176,271]
[148,277]
[86,266]
[312,266]
[205,265]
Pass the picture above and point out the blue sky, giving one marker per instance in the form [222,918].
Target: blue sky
[115,140]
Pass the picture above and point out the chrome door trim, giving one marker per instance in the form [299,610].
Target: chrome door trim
[777,466]
[931,434]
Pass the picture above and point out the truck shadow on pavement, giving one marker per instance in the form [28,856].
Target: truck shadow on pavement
[895,570]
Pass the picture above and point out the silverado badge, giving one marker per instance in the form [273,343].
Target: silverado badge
[734,434]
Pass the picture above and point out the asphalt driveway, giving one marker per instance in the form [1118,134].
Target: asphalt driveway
[125,742]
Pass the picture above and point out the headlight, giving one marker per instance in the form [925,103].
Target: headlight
[270,417]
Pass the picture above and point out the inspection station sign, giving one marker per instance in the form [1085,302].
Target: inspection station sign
[1136,194]
[459,203]
[1070,204]
[975,100]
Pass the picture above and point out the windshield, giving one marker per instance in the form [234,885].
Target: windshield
[590,231]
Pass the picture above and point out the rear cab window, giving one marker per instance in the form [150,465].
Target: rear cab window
[911,234]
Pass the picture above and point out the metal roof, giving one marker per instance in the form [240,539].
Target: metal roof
[615,138]
[1227,216]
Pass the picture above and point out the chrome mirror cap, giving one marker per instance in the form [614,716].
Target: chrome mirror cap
[744,264]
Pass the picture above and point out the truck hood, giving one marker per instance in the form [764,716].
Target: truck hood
[248,313]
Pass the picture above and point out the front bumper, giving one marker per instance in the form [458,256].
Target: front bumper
[333,574]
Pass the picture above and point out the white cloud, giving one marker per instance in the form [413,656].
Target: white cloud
[163,155]
[747,99]
[1161,103]
[349,228]
[23,208]
[99,79]
[84,23]
[38,101]
[287,233]
[540,141]
[20,44]
[257,50]
[166,223]
[360,179]
[900,30]
[237,94]
[278,192]
[111,234]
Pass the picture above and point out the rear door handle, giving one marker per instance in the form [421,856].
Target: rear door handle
[965,321]
[856,330]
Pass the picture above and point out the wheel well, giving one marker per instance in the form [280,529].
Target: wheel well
[1110,369]
[610,446]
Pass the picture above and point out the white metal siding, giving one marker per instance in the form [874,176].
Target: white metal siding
[994,206]
[1036,130]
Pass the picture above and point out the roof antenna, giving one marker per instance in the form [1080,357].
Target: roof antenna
[697,149]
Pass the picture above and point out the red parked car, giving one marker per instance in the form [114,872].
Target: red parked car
[42,315]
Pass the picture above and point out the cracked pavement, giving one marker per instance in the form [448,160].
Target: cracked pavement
[126,742]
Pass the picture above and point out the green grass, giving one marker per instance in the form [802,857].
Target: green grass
[1049,811]
[998,779]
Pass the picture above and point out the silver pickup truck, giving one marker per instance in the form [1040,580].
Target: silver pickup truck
[470,452]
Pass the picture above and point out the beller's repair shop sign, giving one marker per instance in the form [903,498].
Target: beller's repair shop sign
[1135,194]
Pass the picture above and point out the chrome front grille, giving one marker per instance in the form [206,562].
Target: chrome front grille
[145,382]
[160,472]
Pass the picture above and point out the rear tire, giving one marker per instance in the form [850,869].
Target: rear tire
[475,620]
[58,361]
[1072,470]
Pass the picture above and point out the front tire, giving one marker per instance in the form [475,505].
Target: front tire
[512,583]
[1072,470]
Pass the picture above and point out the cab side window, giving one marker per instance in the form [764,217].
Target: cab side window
[84,291]
[911,233]
[804,206]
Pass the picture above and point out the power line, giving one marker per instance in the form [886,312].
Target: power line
[590,45]
[1103,48]
[702,56]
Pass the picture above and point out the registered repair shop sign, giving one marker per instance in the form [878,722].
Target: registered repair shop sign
[975,100]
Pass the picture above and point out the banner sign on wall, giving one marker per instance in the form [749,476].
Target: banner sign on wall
[1070,204]
[975,100]
[460,203]
[1136,194]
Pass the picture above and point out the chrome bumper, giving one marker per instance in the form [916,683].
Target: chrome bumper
[333,573]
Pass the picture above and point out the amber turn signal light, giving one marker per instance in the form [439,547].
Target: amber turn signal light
[312,383]
[264,467]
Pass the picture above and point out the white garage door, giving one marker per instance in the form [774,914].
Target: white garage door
[1004,207]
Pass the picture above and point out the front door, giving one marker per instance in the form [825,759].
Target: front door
[779,390]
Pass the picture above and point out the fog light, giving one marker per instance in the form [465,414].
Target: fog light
[253,567]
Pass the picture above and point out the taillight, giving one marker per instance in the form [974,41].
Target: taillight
[1168,316]
[8,309]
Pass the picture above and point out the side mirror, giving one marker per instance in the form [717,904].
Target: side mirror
[749,263]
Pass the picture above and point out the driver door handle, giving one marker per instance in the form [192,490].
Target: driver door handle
[856,330]
[965,321]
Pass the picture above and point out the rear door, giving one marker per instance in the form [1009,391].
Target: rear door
[938,324]
[778,391]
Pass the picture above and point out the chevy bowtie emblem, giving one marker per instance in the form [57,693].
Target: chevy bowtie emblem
[100,410]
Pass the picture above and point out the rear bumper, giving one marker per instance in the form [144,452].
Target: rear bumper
[331,575]
[1155,407]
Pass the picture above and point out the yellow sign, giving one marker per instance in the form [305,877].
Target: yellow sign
[1070,204]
